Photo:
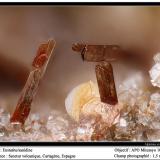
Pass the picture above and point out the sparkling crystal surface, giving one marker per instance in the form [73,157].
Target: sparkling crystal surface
[135,118]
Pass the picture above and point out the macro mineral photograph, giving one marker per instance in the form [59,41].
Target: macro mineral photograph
[79,73]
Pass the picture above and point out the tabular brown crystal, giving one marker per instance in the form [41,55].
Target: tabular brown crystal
[106,85]
[97,53]
[41,56]
[39,66]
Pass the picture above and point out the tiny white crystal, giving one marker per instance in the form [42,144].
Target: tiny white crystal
[134,82]
[35,117]
[155,75]
[131,89]
[157,58]
[155,99]
[155,71]
[4,118]
[81,130]
[123,122]
[3,131]
[155,104]
[36,126]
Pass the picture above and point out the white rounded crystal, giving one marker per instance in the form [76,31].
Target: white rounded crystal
[157,58]
[155,75]
[78,97]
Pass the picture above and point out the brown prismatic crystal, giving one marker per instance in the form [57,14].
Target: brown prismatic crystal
[39,66]
[97,53]
[106,84]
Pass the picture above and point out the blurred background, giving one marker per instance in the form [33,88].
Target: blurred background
[135,28]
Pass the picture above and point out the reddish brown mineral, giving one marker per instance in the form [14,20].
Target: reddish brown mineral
[39,66]
[104,71]
[106,84]
[97,53]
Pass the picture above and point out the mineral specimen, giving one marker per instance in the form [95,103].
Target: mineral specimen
[39,66]
[108,113]
[106,85]
[93,116]
[133,116]
[97,53]
[79,96]
[82,102]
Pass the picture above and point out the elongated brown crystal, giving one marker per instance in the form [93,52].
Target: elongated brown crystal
[39,66]
[97,53]
[106,84]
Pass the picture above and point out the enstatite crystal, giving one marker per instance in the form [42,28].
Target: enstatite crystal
[39,66]
[106,84]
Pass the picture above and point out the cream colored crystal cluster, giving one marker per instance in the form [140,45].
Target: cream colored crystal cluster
[85,100]
[94,117]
